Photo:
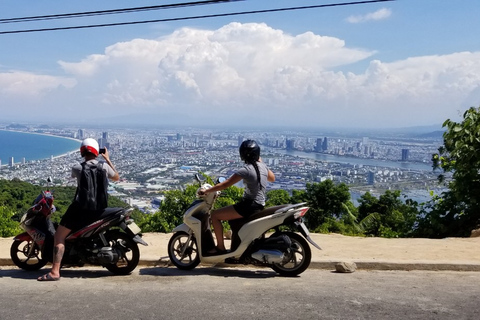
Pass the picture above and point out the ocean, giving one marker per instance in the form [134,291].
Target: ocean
[31,146]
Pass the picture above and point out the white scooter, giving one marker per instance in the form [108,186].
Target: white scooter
[285,252]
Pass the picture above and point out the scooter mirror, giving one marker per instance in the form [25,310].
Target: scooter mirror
[199,177]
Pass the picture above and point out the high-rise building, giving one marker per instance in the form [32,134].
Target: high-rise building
[405,153]
[240,140]
[319,146]
[103,141]
[11,162]
[370,178]
[325,144]
[290,144]
[80,134]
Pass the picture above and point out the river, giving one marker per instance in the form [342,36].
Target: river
[404,165]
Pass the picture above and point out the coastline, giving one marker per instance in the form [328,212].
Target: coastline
[52,156]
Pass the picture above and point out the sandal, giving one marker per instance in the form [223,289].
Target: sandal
[48,277]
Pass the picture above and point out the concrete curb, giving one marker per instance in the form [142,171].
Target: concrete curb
[379,266]
[400,266]
[330,265]
[6,262]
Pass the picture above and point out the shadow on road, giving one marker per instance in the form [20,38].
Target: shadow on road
[209,271]
[161,271]
[73,273]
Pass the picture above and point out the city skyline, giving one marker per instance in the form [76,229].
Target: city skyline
[154,161]
[388,64]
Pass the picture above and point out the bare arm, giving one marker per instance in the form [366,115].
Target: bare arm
[224,185]
[270,176]
[106,156]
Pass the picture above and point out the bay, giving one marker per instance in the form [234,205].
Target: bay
[33,146]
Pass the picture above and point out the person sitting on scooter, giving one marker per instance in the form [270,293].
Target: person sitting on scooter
[75,218]
[255,175]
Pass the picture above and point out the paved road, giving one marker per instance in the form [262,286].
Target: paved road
[240,293]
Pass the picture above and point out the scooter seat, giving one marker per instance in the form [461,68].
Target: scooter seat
[264,213]
[111,212]
[236,224]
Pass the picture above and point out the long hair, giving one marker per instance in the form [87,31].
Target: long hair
[250,153]
[255,165]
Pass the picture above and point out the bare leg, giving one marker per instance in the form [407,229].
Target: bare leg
[58,250]
[225,213]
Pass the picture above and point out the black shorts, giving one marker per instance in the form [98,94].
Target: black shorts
[76,218]
[246,208]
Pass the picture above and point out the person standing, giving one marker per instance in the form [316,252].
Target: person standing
[76,217]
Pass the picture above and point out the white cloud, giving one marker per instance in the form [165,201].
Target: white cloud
[26,84]
[380,14]
[255,72]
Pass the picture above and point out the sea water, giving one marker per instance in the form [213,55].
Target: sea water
[20,145]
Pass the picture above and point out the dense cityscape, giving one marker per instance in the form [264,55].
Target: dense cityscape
[152,161]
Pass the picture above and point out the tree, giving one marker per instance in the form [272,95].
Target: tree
[8,227]
[387,216]
[327,202]
[277,197]
[457,211]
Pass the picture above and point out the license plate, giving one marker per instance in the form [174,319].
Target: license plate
[134,228]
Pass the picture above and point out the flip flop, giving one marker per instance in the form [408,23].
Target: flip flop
[47,277]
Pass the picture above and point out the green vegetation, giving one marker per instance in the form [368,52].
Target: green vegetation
[331,209]
[455,212]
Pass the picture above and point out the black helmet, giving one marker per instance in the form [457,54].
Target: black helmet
[249,151]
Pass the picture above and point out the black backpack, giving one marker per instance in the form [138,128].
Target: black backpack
[92,190]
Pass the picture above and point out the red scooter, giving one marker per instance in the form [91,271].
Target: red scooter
[95,244]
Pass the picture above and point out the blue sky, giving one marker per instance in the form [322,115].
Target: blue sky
[380,65]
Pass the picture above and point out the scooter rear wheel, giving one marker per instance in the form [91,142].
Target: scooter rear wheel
[297,260]
[130,254]
[19,252]
[182,252]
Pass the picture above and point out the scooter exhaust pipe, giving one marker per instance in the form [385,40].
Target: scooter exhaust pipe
[268,256]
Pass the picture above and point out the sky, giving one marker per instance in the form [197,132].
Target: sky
[390,64]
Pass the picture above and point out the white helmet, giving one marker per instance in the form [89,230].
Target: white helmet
[89,145]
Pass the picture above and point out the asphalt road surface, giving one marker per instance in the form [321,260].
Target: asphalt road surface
[239,293]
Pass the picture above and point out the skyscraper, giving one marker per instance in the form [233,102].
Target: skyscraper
[370,178]
[290,144]
[325,144]
[80,134]
[405,153]
[240,140]
[103,141]
[318,146]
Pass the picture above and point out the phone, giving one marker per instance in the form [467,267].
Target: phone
[102,150]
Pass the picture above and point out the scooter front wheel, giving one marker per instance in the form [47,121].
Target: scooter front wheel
[27,255]
[183,252]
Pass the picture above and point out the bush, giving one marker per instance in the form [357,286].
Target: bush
[8,227]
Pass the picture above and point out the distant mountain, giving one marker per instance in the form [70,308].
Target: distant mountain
[16,126]
[433,135]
